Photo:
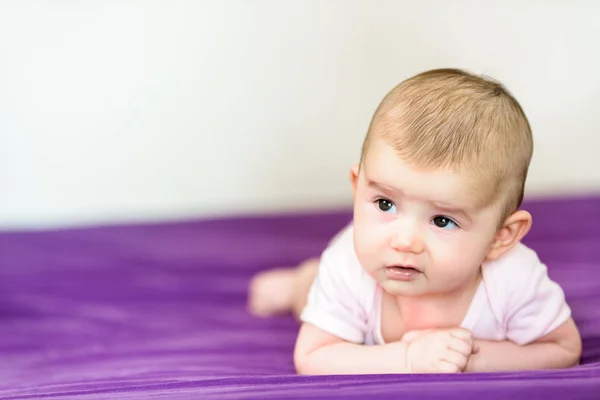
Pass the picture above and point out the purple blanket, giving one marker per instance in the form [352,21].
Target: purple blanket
[158,310]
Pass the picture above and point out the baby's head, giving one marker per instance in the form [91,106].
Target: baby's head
[450,119]
[441,178]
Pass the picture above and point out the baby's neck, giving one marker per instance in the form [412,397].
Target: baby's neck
[439,310]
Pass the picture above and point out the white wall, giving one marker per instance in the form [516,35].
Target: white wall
[128,110]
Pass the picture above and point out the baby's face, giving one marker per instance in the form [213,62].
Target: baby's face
[429,222]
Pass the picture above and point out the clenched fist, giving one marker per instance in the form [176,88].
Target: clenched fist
[439,350]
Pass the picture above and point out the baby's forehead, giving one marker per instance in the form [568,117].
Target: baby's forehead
[441,184]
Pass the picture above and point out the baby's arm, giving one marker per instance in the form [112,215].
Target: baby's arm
[442,351]
[319,353]
[560,348]
[540,332]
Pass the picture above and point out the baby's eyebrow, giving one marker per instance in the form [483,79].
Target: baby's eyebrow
[383,187]
[386,189]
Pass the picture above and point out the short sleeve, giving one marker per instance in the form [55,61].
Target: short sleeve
[333,303]
[536,308]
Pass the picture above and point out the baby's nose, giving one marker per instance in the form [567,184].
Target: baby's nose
[406,239]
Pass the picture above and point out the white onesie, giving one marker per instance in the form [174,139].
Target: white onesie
[516,300]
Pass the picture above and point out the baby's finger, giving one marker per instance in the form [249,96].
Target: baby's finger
[457,359]
[461,346]
[460,333]
[445,367]
[476,347]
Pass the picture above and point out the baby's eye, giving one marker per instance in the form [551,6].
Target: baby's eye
[444,222]
[386,206]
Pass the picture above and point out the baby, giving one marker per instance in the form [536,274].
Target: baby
[431,276]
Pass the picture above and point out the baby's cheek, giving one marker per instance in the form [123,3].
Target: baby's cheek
[362,246]
[447,256]
[367,247]
[459,261]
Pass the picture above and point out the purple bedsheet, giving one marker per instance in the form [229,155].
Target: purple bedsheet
[158,310]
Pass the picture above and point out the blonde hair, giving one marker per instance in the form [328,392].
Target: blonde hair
[449,118]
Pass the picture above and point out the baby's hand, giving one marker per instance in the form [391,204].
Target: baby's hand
[439,350]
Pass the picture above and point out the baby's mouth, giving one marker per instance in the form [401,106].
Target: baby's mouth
[405,268]
[402,272]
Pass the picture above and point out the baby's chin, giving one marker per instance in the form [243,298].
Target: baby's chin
[403,289]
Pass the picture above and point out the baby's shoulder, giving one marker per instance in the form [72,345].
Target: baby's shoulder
[339,259]
[523,297]
[515,278]
[342,242]
[518,263]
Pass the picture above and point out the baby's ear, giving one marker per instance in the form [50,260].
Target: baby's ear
[354,178]
[515,227]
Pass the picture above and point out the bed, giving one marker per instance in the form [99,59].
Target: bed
[158,311]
